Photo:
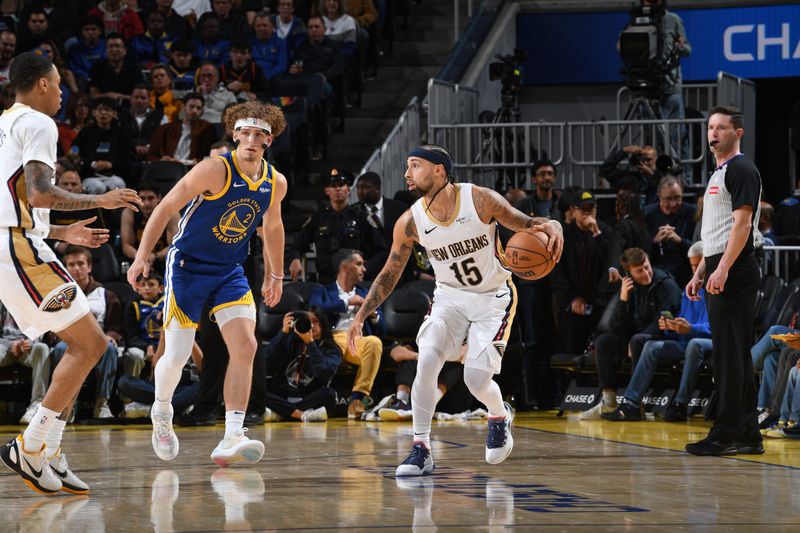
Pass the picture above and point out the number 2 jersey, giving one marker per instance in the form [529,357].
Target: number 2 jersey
[217,228]
[464,251]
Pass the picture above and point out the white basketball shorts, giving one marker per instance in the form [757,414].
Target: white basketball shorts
[35,287]
[483,320]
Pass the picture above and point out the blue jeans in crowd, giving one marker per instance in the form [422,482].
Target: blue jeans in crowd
[790,406]
[765,354]
[104,371]
[144,391]
[657,352]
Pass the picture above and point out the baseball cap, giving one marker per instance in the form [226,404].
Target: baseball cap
[583,198]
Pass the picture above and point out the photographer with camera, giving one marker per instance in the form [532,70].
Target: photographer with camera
[641,163]
[341,300]
[304,358]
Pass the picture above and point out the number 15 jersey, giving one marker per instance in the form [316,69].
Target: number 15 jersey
[464,251]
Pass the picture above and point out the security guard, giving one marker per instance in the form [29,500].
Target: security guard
[337,226]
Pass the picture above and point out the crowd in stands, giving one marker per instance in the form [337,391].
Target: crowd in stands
[159,79]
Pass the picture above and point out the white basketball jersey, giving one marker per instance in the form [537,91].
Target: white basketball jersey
[25,135]
[463,251]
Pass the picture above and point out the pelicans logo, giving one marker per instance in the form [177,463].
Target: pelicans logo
[61,300]
[234,224]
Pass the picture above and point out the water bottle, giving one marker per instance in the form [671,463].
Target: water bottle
[587,309]
[124,266]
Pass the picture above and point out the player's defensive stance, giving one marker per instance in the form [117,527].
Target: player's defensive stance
[474,300]
[228,196]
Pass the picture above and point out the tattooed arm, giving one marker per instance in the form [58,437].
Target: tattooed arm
[491,206]
[42,193]
[404,236]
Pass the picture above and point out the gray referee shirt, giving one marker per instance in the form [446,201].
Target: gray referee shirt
[734,184]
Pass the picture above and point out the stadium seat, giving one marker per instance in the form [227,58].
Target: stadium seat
[165,173]
[425,285]
[404,312]
[270,320]
[302,288]
[105,266]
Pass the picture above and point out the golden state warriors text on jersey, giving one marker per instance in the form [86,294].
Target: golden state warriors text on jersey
[217,228]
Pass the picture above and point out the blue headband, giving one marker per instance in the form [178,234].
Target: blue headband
[434,157]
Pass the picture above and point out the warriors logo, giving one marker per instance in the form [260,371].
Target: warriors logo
[235,222]
[61,300]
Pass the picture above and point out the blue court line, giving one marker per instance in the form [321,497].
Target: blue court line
[650,447]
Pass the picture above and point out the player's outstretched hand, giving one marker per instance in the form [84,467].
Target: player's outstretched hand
[120,198]
[139,267]
[353,334]
[78,233]
[272,290]
[555,234]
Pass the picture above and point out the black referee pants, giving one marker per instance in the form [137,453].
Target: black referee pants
[731,316]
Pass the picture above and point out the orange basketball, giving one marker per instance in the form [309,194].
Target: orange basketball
[527,255]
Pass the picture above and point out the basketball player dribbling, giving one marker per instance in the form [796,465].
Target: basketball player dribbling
[228,196]
[474,297]
[34,285]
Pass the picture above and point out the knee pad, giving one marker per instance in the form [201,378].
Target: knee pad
[226,314]
[476,379]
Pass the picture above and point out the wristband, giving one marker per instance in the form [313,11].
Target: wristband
[277,277]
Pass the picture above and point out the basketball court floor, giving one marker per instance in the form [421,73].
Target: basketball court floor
[564,475]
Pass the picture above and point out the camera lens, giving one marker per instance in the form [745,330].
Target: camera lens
[302,323]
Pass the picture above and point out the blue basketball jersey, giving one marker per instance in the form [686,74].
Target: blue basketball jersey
[217,228]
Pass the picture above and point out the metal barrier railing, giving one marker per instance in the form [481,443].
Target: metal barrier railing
[590,143]
[502,154]
[781,261]
[450,103]
[390,160]
[486,153]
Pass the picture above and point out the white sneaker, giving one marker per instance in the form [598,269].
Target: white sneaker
[31,466]
[101,409]
[499,441]
[69,481]
[271,416]
[237,448]
[136,410]
[29,412]
[315,415]
[165,441]
[595,412]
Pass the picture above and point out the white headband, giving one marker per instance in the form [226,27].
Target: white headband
[253,122]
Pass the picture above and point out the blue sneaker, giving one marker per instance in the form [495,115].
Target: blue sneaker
[499,441]
[418,463]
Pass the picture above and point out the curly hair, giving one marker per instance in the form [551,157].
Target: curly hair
[266,112]
[629,204]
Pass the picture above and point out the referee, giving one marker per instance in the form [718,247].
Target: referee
[731,203]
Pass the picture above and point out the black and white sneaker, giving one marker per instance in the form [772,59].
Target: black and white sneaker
[418,463]
[69,481]
[32,467]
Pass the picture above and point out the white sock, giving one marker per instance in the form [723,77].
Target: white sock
[610,398]
[36,432]
[162,407]
[53,440]
[234,421]
[424,438]
[403,396]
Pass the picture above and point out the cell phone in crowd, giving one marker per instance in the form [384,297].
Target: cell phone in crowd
[667,315]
